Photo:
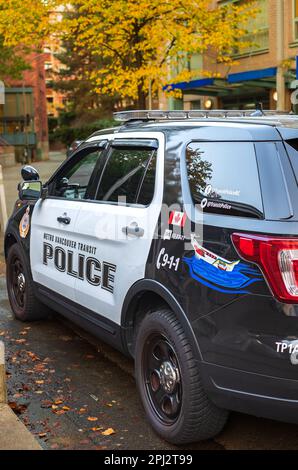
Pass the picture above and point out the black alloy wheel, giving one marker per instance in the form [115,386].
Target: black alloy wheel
[162,378]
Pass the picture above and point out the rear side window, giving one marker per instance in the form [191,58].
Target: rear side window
[223,178]
[128,176]
[292,149]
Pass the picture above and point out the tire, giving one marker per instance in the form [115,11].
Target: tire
[23,303]
[170,385]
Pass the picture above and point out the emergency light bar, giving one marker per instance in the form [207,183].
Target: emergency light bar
[145,115]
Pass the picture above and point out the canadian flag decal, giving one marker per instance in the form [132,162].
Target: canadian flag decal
[177,218]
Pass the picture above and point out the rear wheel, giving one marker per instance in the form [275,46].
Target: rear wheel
[169,382]
[23,303]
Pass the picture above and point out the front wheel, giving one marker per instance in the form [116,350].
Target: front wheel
[169,382]
[22,300]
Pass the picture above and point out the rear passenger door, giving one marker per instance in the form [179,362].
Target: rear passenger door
[116,229]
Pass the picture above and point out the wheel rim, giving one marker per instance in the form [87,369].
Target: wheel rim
[162,378]
[17,282]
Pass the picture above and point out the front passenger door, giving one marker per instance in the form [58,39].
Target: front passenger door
[53,241]
[116,229]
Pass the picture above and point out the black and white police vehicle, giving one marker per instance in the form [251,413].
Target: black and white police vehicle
[174,237]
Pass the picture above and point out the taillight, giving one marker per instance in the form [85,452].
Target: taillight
[278,260]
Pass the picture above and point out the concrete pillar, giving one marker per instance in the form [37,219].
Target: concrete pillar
[3,396]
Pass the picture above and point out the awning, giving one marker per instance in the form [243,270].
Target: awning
[252,75]
[235,83]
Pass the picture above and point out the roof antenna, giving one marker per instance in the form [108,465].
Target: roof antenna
[259,110]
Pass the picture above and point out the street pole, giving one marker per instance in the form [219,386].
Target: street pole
[26,150]
[150,95]
[280,79]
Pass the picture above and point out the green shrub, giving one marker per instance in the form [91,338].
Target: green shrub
[66,134]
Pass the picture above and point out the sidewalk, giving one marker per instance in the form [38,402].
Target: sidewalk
[13,434]
[12,176]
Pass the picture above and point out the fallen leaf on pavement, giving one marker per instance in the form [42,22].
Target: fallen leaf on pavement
[108,432]
[58,412]
[92,418]
[33,356]
[58,402]
[96,429]
[39,382]
[65,408]
[18,409]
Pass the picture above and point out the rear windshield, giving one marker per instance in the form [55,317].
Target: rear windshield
[223,178]
[292,149]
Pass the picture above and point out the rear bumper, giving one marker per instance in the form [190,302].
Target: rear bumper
[256,394]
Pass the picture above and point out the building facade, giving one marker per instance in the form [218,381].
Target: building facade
[23,116]
[55,99]
[264,72]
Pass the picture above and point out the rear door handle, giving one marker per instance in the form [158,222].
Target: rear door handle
[133,230]
[64,220]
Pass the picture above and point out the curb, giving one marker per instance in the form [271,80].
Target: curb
[13,433]
[3,393]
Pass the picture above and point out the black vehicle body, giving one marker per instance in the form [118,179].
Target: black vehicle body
[234,334]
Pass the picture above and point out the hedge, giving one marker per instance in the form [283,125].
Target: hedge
[66,134]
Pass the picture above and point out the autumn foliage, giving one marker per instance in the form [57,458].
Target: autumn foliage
[136,44]
[148,42]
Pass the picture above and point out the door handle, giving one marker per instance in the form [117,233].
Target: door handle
[133,229]
[64,220]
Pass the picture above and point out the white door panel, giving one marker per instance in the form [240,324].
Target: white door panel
[127,254]
[46,235]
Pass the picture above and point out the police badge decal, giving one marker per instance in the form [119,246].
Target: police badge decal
[25,224]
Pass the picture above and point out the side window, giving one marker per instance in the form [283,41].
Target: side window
[224,179]
[292,149]
[147,187]
[73,182]
[128,175]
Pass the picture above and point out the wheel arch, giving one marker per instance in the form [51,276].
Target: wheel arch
[150,292]
[10,239]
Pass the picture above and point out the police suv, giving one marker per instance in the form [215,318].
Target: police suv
[174,237]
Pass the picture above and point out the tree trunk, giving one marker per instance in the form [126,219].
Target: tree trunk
[141,101]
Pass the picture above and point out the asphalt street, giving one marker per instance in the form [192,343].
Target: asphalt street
[74,392]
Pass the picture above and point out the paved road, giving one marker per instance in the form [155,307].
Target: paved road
[59,377]
[12,176]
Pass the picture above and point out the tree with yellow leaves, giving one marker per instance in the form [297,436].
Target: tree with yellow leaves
[24,25]
[140,41]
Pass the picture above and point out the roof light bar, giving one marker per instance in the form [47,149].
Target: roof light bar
[145,115]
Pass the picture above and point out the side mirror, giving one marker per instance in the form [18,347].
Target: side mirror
[30,190]
[29,173]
